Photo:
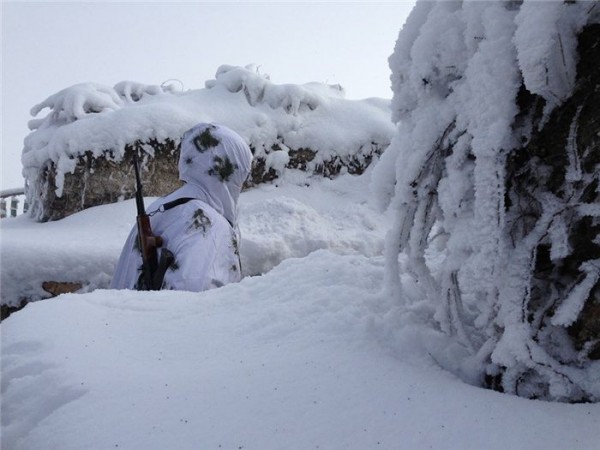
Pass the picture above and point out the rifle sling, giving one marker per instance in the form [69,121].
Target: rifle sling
[172,204]
[178,201]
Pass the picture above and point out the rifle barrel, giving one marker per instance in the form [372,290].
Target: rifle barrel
[139,197]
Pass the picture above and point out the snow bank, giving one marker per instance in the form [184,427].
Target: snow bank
[457,71]
[287,360]
[290,220]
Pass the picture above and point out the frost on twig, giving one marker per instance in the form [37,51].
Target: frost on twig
[496,198]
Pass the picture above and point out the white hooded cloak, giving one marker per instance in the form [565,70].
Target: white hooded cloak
[202,233]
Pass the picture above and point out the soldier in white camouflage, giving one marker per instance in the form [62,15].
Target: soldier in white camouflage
[197,222]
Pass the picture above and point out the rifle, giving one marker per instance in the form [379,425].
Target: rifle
[153,270]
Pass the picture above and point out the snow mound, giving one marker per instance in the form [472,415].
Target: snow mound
[288,360]
[292,221]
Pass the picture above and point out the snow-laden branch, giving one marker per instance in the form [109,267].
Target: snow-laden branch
[76,102]
[509,221]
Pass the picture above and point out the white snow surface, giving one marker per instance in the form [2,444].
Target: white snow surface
[311,354]
[327,342]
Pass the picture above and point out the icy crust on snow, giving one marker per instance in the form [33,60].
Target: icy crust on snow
[276,222]
[457,68]
[103,120]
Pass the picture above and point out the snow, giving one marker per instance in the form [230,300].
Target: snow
[298,216]
[457,69]
[547,47]
[363,319]
[567,313]
[89,117]
[306,351]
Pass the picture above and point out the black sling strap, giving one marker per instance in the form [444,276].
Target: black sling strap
[172,204]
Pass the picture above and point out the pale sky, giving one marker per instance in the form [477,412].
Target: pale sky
[48,46]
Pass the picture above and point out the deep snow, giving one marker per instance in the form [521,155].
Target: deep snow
[301,357]
[313,349]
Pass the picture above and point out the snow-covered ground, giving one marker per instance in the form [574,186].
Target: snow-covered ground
[304,356]
[326,343]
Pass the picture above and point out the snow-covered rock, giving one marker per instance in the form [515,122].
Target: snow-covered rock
[79,154]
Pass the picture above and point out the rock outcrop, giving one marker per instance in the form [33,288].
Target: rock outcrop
[80,154]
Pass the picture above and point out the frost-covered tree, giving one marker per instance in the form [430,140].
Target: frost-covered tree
[493,175]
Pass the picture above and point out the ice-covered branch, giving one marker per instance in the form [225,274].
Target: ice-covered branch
[515,211]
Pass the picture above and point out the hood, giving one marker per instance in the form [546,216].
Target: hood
[214,162]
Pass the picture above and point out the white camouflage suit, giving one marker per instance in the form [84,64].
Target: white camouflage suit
[202,233]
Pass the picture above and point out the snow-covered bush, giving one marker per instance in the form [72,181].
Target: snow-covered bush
[78,155]
[492,174]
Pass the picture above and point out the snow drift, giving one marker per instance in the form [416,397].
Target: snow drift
[301,357]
